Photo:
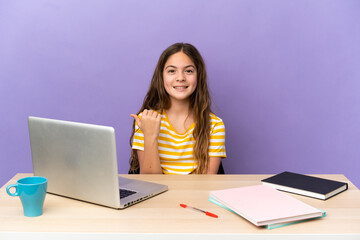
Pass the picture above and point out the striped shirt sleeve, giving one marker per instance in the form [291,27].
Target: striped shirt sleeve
[217,139]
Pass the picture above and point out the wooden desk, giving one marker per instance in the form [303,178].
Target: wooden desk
[162,218]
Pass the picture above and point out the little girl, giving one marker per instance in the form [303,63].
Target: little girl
[175,131]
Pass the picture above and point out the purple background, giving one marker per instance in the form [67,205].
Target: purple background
[284,75]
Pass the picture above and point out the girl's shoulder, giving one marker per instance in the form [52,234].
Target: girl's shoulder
[217,125]
[215,119]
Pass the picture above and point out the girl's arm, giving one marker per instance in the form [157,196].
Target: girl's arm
[213,165]
[150,126]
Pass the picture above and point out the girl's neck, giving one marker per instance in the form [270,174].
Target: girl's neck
[180,116]
[179,108]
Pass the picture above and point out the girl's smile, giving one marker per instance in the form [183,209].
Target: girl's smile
[180,88]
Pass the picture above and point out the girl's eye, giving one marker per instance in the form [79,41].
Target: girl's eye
[189,71]
[171,71]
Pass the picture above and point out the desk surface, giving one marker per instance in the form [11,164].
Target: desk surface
[161,216]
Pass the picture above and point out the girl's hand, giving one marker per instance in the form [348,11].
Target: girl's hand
[149,123]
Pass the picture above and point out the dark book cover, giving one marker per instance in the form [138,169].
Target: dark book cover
[307,183]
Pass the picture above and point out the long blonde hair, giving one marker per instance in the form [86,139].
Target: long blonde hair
[158,99]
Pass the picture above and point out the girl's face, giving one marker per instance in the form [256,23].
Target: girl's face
[180,77]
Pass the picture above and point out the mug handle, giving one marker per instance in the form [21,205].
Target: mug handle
[16,193]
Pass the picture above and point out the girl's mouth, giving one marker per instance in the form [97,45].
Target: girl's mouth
[180,87]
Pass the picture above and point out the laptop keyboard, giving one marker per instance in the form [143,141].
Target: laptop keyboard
[125,193]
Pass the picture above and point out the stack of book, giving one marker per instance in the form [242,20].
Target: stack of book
[264,206]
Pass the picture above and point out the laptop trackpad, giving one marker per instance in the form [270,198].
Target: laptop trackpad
[124,181]
[141,187]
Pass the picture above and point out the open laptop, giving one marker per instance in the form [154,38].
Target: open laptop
[79,160]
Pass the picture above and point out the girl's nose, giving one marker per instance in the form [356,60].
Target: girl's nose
[180,77]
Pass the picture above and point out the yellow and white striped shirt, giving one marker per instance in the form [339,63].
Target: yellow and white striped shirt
[176,150]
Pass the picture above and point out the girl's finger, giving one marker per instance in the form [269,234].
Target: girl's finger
[155,114]
[137,119]
[158,117]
